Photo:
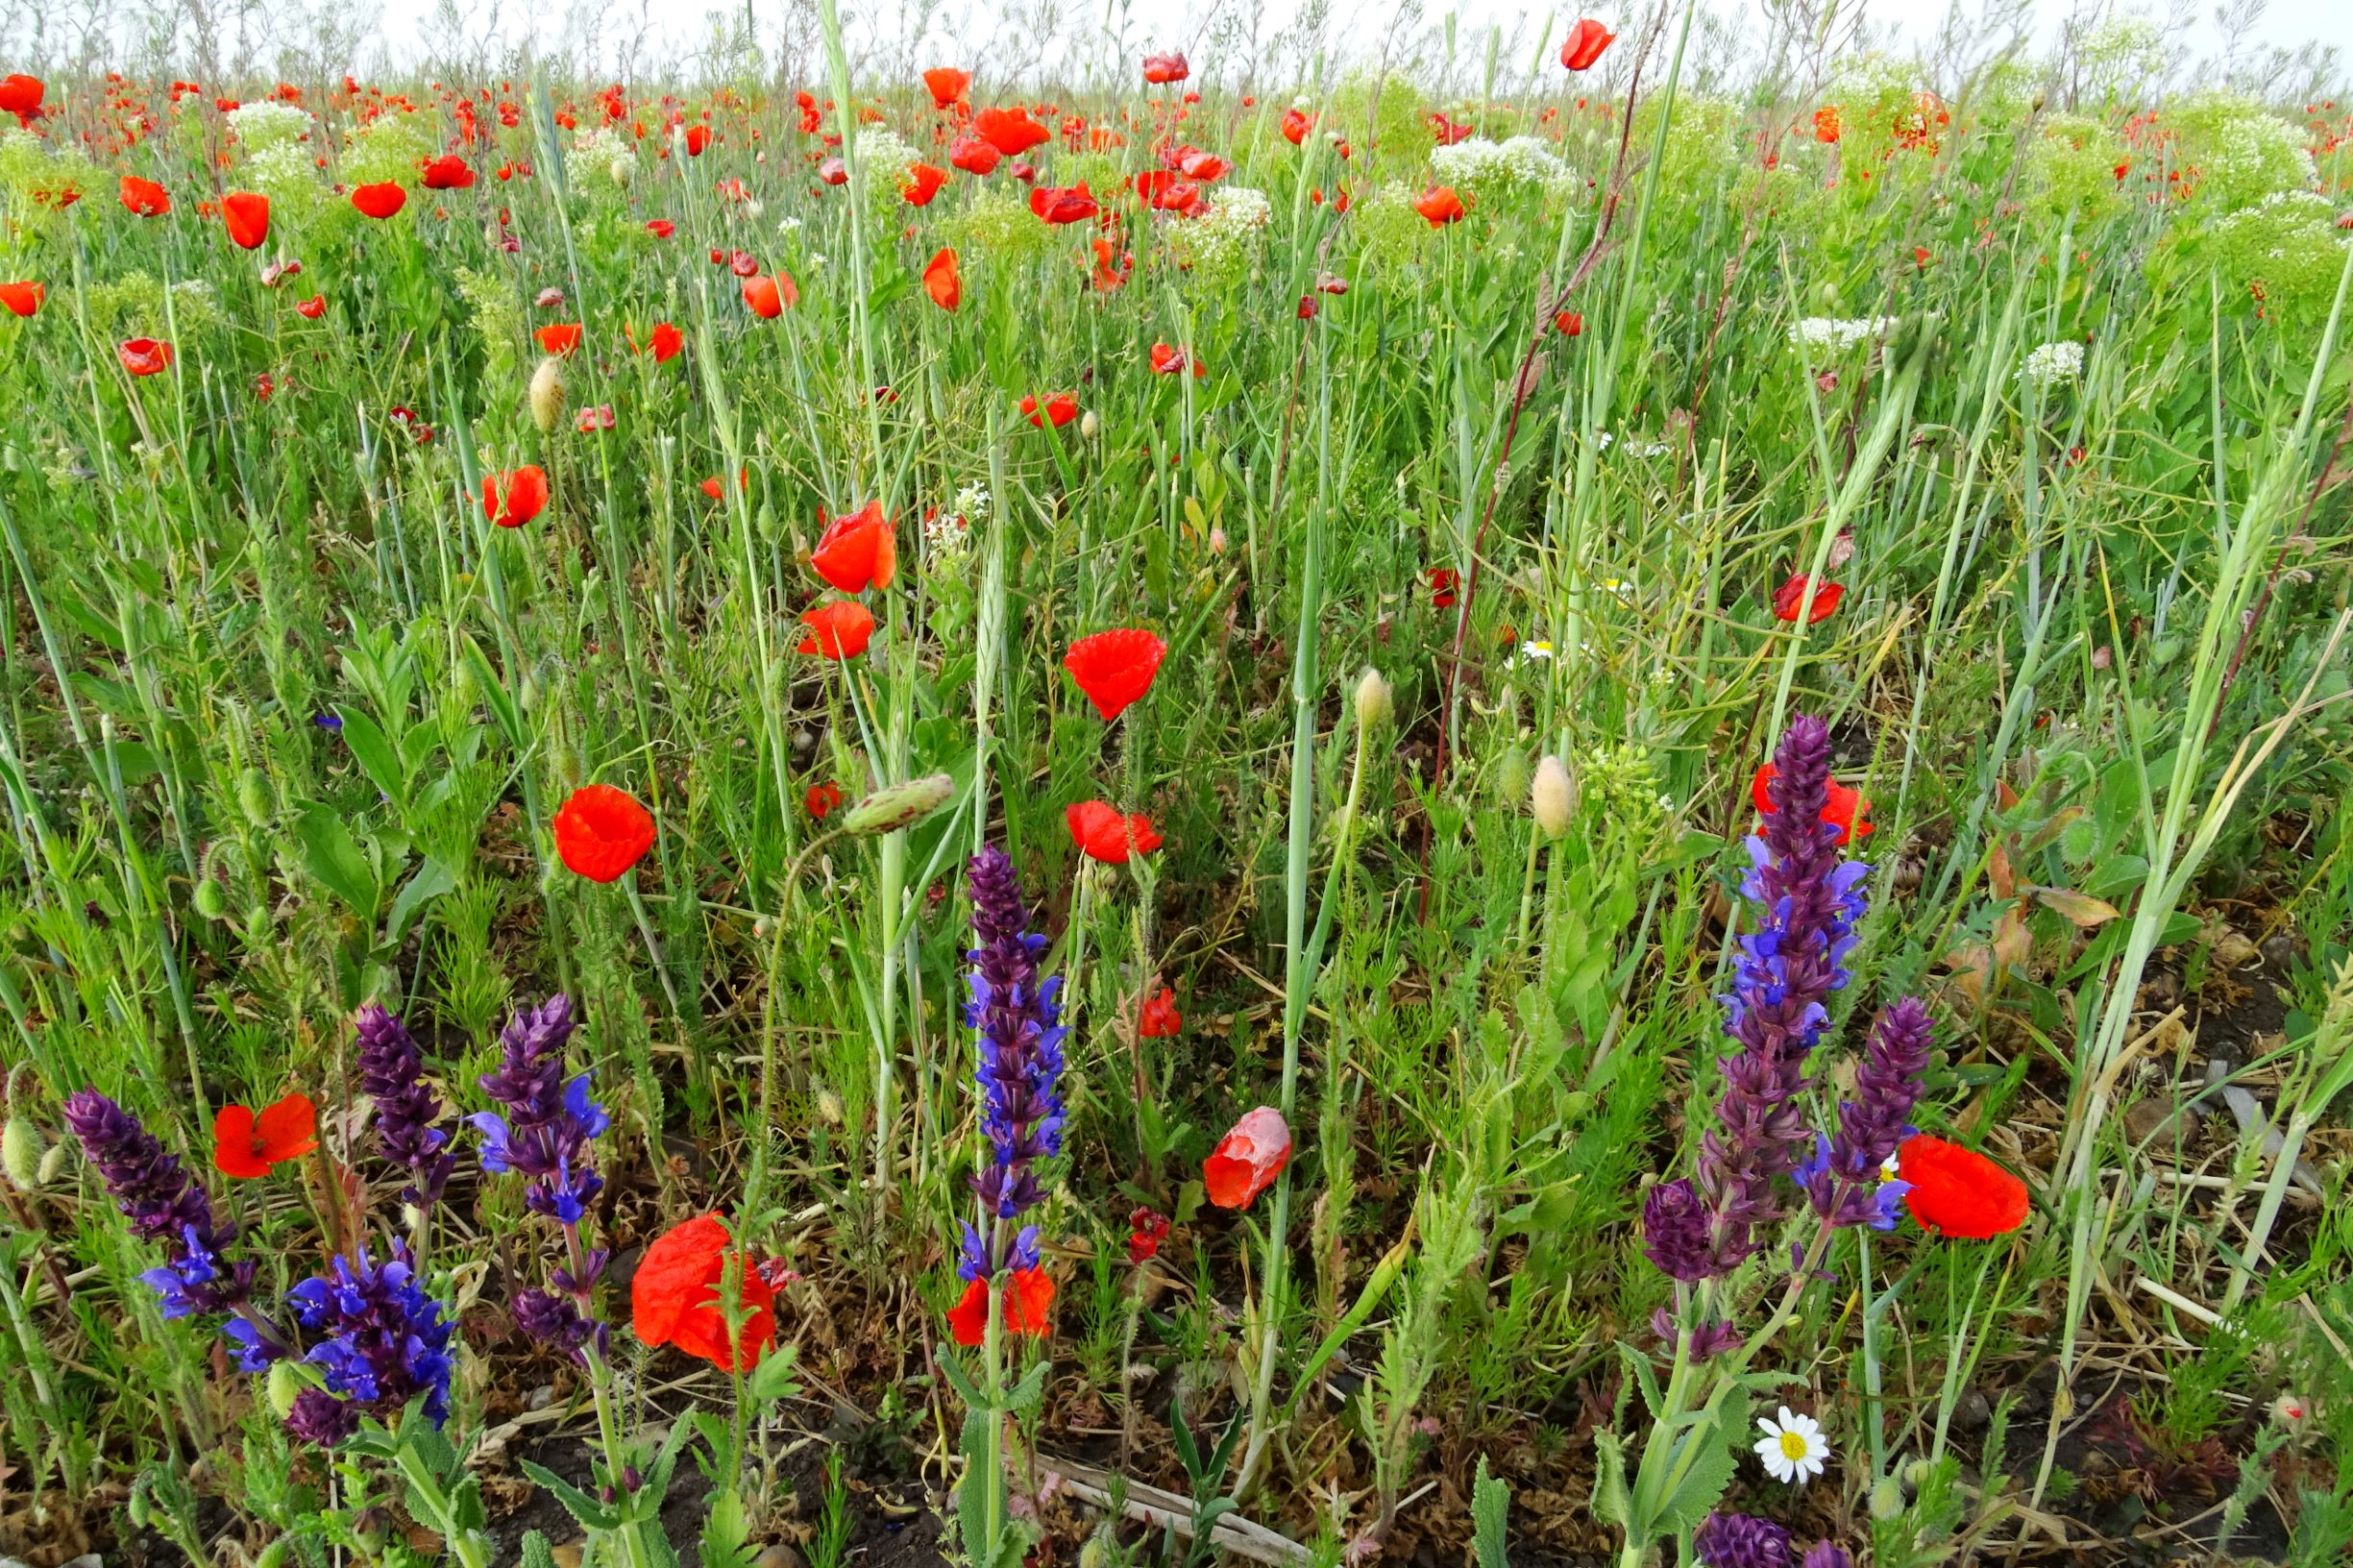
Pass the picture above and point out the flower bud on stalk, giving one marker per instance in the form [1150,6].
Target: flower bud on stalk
[548,394]
[1375,703]
[20,1153]
[895,806]
[1551,798]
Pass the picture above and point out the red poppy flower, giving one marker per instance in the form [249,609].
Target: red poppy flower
[1062,407]
[948,85]
[247,213]
[1439,205]
[821,799]
[1027,1306]
[1162,70]
[589,420]
[246,1143]
[1584,44]
[664,342]
[974,155]
[1248,1159]
[716,487]
[697,138]
[1114,668]
[380,200]
[513,499]
[23,298]
[1206,168]
[743,263]
[1845,809]
[1101,833]
[839,630]
[660,227]
[944,282]
[1160,1018]
[834,172]
[561,337]
[1296,124]
[1173,361]
[1442,585]
[1306,307]
[600,832]
[675,1296]
[1010,131]
[1825,123]
[1570,323]
[448,172]
[1790,597]
[1063,204]
[144,355]
[1146,1229]
[21,95]
[763,298]
[144,198]
[311,309]
[1957,1191]
[922,184]
[1922,256]
[858,552]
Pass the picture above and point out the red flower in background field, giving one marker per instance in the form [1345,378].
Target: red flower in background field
[763,297]
[664,342]
[311,309]
[600,832]
[380,200]
[1159,1018]
[675,1296]
[1584,44]
[1296,124]
[1790,599]
[21,95]
[512,499]
[1825,123]
[974,155]
[1101,833]
[1248,1159]
[1062,407]
[944,282]
[247,215]
[448,172]
[716,487]
[1146,1229]
[949,84]
[1114,668]
[23,298]
[1010,131]
[697,138]
[597,417]
[660,227]
[144,355]
[1439,205]
[1845,809]
[1028,1307]
[143,198]
[821,799]
[1442,585]
[858,551]
[559,338]
[246,1143]
[1159,70]
[1174,362]
[1569,323]
[1957,1191]
[923,183]
[839,630]
[1063,204]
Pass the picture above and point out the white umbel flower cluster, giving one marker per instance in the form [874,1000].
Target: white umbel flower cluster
[603,150]
[1216,244]
[265,123]
[1833,335]
[2052,363]
[1489,171]
[884,158]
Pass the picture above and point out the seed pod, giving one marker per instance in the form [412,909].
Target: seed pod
[548,394]
[22,1153]
[895,806]
[1374,700]
[1551,798]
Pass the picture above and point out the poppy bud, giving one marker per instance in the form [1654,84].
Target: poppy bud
[829,1107]
[1088,424]
[285,1382]
[51,1163]
[548,394]
[1886,1498]
[895,806]
[1511,776]
[254,798]
[210,901]
[21,1152]
[1374,702]
[1550,797]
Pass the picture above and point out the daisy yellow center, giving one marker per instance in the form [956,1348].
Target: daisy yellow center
[1793,1445]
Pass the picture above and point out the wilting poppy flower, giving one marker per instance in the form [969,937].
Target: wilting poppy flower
[1173,361]
[448,172]
[948,85]
[144,355]
[1957,1191]
[1791,595]
[763,298]
[1159,1018]
[559,338]
[697,138]
[21,95]
[144,198]
[743,263]
[660,227]
[248,1144]
[1439,205]
[821,799]
[1296,124]
[858,552]
[1825,123]
[1442,585]
[1306,307]
[974,155]
[839,630]
[513,499]
[247,215]
[1584,44]
[1845,809]
[943,281]
[590,420]
[23,298]
[834,172]
[922,184]
[664,342]
[1062,407]
[675,1296]
[380,200]
[600,832]
[1114,668]
[1111,266]
[1162,70]
[1063,204]
[311,309]
[1146,1229]
[1570,323]
[1101,833]
[1028,1307]
[1010,131]
[1248,1159]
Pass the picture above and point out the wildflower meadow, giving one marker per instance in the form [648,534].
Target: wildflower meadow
[1554,794]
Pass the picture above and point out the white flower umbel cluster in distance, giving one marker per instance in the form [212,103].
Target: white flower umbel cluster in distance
[1489,171]
[1835,334]
[603,152]
[2052,363]
[267,123]
[884,158]
[1216,244]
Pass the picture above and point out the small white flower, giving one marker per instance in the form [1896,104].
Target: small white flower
[1532,651]
[1793,1448]
[2053,362]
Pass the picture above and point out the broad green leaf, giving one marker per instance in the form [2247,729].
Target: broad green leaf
[373,753]
[331,855]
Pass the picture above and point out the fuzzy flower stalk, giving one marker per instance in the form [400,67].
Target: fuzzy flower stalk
[543,1134]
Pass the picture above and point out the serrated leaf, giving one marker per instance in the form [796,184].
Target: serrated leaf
[536,1553]
[1711,1471]
[1645,1379]
[590,1514]
[953,1372]
[1490,1518]
[726,1534]
[773,1378]
[1611,1502]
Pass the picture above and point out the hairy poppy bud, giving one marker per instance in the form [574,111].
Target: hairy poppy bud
[1550,797]
[829,1107]
[548,394]
[1088,426]
[1511,776]
[285,1382]
[1374,701]
[1886,1498]
[21,1152]
[210,901]
[895,806]
[51,1163]
[254,798]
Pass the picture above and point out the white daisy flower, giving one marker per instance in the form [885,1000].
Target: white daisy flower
[1793,1448]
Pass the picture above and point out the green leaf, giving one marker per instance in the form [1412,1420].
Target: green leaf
[1645,1379]
[726,1534]
[493,693]
[374,754]
[971,1494]
[1711,1471]
[953,1371]
[431,881]
[331,855]
[773,1378]
[1611,1502]
[536,1553]
[586,1509]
